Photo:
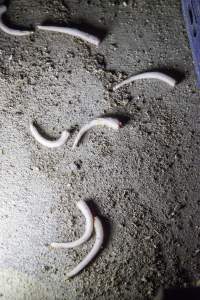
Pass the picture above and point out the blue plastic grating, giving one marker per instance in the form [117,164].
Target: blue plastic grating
[191,13]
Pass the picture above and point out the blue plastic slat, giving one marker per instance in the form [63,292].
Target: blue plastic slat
[191,13]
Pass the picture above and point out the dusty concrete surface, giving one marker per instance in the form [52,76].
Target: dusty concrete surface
[143,180]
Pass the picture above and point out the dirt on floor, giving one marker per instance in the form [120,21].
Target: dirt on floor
[143,180]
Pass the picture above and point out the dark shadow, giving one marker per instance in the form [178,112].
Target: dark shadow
[105,222]
[10,24]
[99,31]
[5,2]
[73,129]
[178,75]
[179,294]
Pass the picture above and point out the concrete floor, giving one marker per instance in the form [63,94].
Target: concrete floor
[143,180]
